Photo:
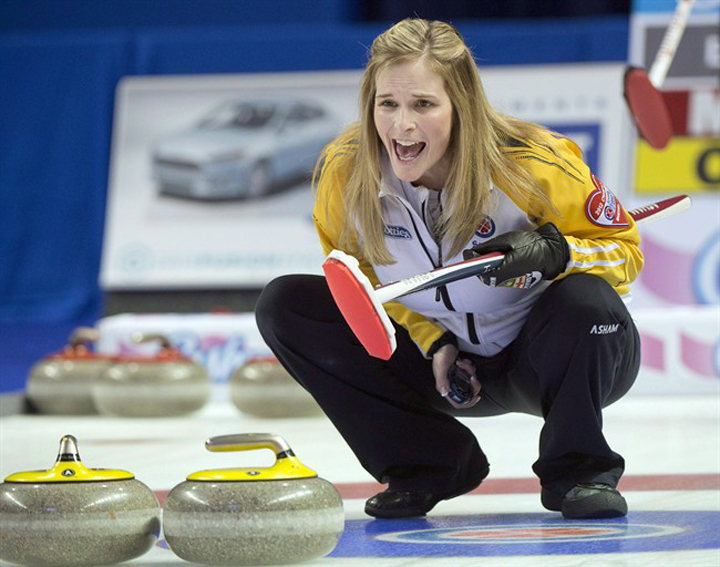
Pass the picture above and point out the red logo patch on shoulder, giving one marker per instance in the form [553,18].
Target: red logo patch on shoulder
[603,208]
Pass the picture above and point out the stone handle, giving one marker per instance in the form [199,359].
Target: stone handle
[249,442]
[165,343]
[83,337]
[68,450]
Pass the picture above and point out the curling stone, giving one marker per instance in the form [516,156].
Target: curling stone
[72,516]
[280,514]
[62,383]
[263,388]
[167,384]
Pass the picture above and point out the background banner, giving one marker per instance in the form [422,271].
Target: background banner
[682,254]
[209,174]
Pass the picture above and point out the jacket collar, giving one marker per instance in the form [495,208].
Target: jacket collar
[390,185]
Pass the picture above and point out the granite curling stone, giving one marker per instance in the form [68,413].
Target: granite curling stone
[164,385]
[75,516]
[61,383]
[279,514]
[263,388]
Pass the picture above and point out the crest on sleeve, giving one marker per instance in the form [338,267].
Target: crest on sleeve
[603,208]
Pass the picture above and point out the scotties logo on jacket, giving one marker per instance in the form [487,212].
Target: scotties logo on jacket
[397,232]
[603,208]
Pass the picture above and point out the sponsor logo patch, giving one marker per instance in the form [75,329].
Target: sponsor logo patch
[604,329]
[603,208]
[486,228]
[397,232]
[521,282]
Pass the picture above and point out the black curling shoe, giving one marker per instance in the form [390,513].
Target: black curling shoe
[397,504]
[587,501]
[402,504]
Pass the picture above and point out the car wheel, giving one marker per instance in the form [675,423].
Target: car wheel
[258,181]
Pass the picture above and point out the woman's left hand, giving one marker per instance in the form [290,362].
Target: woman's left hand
[443,359]
[530,255]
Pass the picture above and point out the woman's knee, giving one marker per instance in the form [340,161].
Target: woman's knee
[273,299]
[585,299]
[293,300]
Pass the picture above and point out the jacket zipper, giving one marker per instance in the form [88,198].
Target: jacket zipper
[441,292]
[472,332]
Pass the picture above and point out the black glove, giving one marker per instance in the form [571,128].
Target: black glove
[529,256]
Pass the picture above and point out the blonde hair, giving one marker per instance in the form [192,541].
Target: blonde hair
[478,132]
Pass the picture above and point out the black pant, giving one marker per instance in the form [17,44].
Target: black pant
[578,352]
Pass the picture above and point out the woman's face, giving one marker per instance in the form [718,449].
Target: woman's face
[413,117]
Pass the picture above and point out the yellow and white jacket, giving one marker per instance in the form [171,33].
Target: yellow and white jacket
[602,237]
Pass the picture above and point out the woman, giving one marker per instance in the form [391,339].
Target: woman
[431,172]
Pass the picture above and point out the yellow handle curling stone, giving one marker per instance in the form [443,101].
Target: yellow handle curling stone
[74,516]
[272,515]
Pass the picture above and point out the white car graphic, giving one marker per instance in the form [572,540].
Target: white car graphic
[243,149]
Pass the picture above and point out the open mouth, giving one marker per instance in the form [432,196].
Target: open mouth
[408,151]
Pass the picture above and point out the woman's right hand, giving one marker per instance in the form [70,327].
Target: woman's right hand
[443,359]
